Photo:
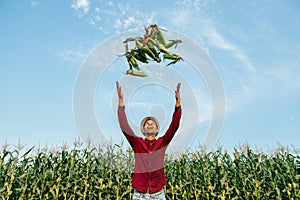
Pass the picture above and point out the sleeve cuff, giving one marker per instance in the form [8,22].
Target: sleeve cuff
[177,108]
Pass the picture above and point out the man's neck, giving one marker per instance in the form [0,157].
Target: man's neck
[150,137]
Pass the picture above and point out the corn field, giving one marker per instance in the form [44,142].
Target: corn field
[105,173]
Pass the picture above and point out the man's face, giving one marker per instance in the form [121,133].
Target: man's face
[150,127]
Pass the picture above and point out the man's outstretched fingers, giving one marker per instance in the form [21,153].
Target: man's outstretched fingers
[177,94]
[119,89]
[178,87]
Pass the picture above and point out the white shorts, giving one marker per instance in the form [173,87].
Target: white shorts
[160,195]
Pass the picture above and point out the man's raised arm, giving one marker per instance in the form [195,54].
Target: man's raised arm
[126,129]
[120,94]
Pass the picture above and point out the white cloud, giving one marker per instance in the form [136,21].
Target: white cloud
[113,17]
[238,72]
[203,28]
[128,22]
[131,18]
[194,4]
[216,39]
[110,3]
[73,55]
[81,6]
[287,76]
[37,4]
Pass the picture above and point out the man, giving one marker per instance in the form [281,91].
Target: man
[149,177]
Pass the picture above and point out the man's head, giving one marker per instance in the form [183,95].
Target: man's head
[149,126]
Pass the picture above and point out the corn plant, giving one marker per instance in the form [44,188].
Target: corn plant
[244,175]
[105,173]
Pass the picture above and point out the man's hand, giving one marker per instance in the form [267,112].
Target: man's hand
[177,95]
[120,94]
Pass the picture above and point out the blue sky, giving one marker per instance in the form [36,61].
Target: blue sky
[254,45]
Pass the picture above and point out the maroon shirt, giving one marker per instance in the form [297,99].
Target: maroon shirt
[149,175]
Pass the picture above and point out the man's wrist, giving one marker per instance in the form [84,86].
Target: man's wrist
[121,103]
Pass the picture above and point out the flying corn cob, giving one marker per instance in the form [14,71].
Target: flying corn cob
[140,55]
[152,53]
[130,59]
[173,57]
[150,45]
[172,43]
[135,73]
[132,39]
[158,45]
[143,49]
[139,43]
[157,34]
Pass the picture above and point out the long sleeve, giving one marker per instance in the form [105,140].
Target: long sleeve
[173,126]
[126,129]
